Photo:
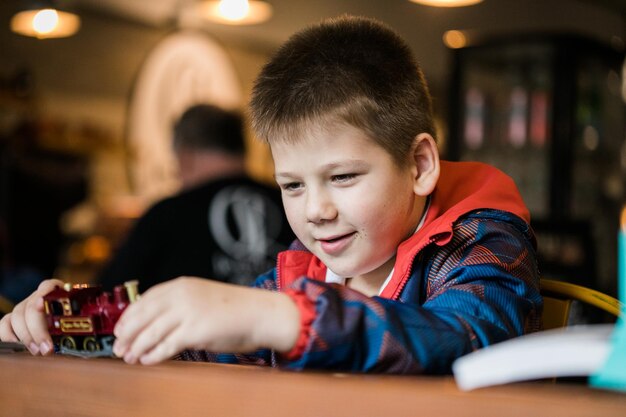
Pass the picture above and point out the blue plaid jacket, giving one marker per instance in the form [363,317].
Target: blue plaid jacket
[467,279]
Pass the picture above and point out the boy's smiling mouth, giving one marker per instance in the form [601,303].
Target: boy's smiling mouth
[336,244]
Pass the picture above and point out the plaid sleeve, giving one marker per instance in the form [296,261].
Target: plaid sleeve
[480,288]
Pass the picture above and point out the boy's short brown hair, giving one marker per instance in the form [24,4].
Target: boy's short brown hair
[349,69]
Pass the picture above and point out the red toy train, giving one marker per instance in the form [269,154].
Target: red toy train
[81,317]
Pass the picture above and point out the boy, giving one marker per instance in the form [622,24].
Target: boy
[402,263]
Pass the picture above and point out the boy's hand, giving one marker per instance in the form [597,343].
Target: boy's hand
[27,324]
[195,313]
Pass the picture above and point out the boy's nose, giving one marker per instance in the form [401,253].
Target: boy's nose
[320,208]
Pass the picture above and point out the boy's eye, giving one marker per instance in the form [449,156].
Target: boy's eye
[291,186]
[343,177]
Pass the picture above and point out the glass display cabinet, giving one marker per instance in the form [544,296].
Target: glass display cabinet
[549,111]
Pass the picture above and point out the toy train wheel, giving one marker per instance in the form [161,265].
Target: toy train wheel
[68,342]
[90,344]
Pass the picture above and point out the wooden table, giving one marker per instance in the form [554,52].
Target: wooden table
[65,386]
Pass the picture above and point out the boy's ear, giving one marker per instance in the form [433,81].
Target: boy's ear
[424,164]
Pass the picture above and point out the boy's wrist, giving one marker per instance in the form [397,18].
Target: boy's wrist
[279,325]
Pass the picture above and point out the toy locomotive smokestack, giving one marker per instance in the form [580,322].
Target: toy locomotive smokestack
[133,290]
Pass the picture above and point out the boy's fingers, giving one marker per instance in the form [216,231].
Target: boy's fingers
[27,322]
[36,321]
[36,317]
[169,347]
[153,335]
[6,331]
[20,328]
[137,316]
[133,321]
[48,285]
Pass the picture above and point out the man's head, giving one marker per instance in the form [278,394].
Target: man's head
[351,70]
[208,142]
[207,127]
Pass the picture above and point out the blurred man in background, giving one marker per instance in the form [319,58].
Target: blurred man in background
[222,225]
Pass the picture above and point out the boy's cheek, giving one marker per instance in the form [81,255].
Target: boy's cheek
[294,216]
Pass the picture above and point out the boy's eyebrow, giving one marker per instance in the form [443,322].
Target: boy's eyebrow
[354,164]
[282,174]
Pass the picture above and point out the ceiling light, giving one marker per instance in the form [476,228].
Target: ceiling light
[455,39]
[235,12]
[447,3]
[45,22]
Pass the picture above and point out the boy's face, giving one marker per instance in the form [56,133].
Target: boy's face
[347,200]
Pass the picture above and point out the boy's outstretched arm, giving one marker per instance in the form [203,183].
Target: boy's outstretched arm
[195,313]
[27,323]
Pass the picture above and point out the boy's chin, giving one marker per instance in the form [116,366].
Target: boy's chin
[376,271]
[337,268]
[342,271]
